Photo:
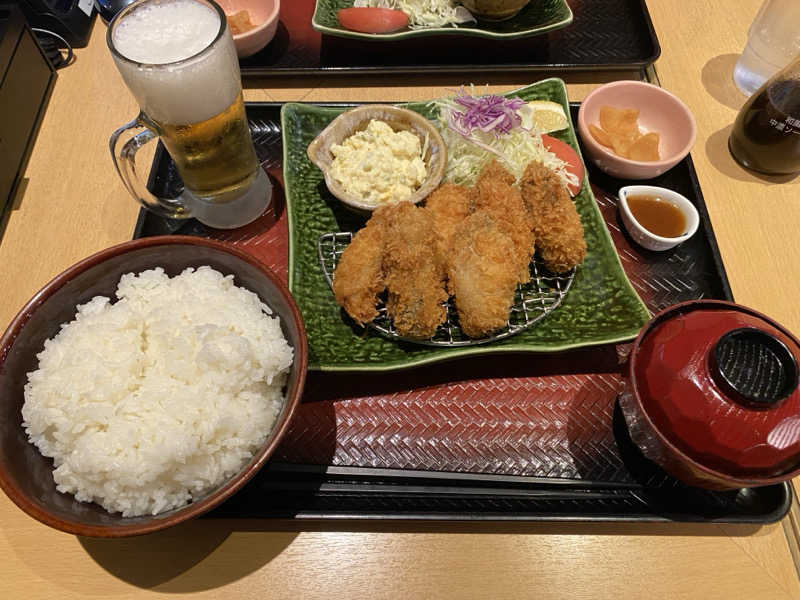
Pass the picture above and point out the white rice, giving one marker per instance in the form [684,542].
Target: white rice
[154,400]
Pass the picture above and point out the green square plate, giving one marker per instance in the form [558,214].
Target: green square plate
[601,307]
[540,16]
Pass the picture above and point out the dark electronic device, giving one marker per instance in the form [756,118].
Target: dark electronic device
[71,19]
[26,80]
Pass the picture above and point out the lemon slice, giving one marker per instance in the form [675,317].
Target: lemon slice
[543,115]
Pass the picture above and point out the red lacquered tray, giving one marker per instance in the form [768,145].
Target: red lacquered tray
[521,436]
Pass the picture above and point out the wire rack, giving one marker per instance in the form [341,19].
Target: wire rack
[532,300]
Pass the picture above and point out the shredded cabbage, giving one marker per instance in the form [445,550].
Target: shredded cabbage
[424,13]
[470,148]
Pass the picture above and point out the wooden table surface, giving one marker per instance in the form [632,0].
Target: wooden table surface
[72,204]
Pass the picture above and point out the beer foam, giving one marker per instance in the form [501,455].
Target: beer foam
[165,32]
[159,33]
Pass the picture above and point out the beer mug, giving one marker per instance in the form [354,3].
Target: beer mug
[178,59]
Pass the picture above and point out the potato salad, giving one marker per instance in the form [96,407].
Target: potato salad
[379,165]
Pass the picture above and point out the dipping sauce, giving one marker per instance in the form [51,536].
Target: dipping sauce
[657,215]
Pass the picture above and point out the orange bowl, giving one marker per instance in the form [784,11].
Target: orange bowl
[263,14]
[659,111]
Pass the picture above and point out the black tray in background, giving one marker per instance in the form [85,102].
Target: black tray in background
[604,34]
[305,491]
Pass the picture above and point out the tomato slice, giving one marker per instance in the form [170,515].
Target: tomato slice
[565,152]
[369,19]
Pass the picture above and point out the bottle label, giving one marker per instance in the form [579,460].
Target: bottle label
[790,125]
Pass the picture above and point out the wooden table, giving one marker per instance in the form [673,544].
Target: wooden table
[72,204]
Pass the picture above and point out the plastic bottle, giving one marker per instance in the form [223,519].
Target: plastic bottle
[773,40]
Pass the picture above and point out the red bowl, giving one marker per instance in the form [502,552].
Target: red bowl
[25,475]
[685,415]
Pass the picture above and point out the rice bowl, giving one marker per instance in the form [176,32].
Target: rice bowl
[26,475]
[157,398]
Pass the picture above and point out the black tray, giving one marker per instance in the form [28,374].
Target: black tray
[605,34]
[609,480]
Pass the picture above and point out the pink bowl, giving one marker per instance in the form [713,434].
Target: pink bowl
[659,111]
[263,14]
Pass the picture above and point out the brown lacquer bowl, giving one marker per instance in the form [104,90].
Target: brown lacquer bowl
[26,475]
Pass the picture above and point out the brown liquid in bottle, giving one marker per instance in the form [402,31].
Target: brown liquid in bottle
[766,135]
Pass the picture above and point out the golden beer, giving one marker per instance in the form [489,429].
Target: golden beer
[214,156]
[178,59]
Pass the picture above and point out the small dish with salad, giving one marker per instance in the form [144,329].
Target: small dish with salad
[387,20]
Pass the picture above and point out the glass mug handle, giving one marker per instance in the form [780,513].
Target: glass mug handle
[123,152]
